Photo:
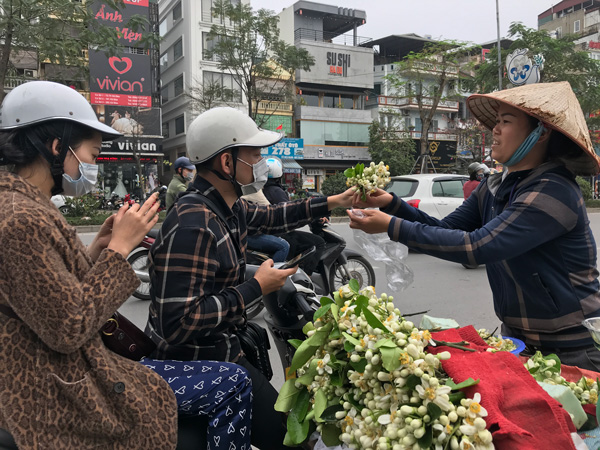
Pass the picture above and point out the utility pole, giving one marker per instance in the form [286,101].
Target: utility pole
[499,49]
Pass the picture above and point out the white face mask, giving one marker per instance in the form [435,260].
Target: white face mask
[260,171]
[88,177]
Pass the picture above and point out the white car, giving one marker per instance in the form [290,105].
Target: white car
[60,202]
[436,194]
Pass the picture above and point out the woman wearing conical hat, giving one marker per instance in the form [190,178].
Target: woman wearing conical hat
[528,224]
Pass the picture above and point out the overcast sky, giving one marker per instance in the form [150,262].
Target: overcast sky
[464,20]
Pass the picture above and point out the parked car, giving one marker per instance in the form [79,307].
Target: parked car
[61,203]
[436,194]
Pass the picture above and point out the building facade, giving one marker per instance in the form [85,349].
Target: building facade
[330,113]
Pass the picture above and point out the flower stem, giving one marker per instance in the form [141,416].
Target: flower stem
[455,345]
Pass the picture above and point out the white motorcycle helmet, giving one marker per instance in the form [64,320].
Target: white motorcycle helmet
[37,102]
[275,167]
[222,128]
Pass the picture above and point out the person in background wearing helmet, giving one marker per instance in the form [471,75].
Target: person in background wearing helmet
[184,175]
[199,291]
[528,224]
[298,240]
[61,387]
[55,296]
[477,173]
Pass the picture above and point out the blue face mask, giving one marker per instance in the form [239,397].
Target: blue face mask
[88,177]
[526,146]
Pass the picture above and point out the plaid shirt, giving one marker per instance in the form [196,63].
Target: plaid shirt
[197,298]
[532,232]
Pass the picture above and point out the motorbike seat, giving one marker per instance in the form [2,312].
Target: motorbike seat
[153,233]
[191,435]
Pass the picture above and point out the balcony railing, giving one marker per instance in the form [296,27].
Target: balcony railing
[411,102]
[306,34]
[433,136]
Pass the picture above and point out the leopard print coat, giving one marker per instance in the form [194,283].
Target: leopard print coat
[60,387]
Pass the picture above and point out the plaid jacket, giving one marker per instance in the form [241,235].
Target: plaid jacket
[532,232]
[197,298]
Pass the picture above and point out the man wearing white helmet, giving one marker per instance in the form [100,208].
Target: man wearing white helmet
[197,274]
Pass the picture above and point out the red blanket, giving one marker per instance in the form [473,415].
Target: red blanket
[521,416]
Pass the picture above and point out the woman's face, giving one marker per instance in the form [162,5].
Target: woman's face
[511,129]
[87,152]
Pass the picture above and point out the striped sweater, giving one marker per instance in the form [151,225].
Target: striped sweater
[532,232]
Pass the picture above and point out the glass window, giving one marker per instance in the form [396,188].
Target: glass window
[448,188]
[163,27]
[164,92]
[178,86]
[309,98]
[577,26]
[177,50]
[179,125]
[177,12]
[165,129]
[164,61]
[402,188]
[230,88]
[334,133]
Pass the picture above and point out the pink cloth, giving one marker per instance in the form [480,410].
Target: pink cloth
[469,187]
[521,416]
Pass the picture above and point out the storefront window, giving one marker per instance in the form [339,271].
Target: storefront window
[119,176]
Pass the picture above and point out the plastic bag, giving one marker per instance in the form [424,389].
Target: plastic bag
[379,247]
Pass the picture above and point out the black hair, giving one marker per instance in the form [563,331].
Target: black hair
[473,176]
[561,147]
[17,150]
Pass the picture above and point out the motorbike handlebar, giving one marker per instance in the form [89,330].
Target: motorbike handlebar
[305,309]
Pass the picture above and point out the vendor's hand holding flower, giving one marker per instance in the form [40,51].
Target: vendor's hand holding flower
[378,199]
[343,200]
[369,220]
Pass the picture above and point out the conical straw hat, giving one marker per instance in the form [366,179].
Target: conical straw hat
[556,105]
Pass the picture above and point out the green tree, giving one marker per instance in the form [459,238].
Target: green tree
[397,153]
[334,184]
[247,46]
[564,61]
[56,31]
[428,78]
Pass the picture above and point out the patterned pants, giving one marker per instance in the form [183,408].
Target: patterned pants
[221,391]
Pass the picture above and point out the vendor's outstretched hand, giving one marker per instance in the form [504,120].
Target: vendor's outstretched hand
[378,199]
[369,220]
[344,199]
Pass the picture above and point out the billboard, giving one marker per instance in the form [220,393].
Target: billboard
[120,80]
[443,153]
[107,16]
[287,148]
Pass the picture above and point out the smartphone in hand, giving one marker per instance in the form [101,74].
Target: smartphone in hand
[298,258]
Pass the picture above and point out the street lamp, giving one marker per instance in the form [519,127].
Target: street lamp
[499,52]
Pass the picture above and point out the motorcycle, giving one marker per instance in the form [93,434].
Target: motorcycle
[138,259]
[337,265]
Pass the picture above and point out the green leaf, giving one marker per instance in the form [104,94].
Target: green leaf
[388,343]
[373,321]
[320,336]
[302,404]
[297,429]
[310,374]
[351,339]
[360,365]
[295,343]
[335,333]
[456,397]
[302,355]
[434,411]
[331,435]
[349,173]
[326,301]
[348,346]
[335,311]
[287,396]
[322,311]
[338,300]
[320,404]
[464,384]
[337,378]
[412,381]
[390,358]
[287,440]
[308,327]
[354,286]
[427,439]
[329,413]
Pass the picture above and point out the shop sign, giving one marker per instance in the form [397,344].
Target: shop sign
[120,80]
[315,172]
[338,63]
[442,153]
[133,121]
[308,182]
[594,45]
[287,148]
[521,69]
[118,19]
[138,144]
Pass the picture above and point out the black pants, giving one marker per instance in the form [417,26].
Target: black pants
[268,425]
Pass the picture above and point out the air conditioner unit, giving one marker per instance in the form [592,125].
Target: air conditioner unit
[30,73]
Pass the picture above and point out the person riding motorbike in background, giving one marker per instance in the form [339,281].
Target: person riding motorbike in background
[61,387]
[528,224]
[199,291]
[184,174]
[477,172]
[298,240]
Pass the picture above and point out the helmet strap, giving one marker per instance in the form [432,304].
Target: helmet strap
[231,179]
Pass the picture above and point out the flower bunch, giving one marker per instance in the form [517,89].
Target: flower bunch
[365,379]
[497,343]
[368,179]
[547,369]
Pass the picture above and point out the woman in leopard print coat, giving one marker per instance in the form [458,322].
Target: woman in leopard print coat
[60,387]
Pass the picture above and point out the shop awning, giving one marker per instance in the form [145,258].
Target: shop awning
[291,166]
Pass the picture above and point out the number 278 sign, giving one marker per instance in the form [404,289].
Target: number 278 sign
[287,148]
